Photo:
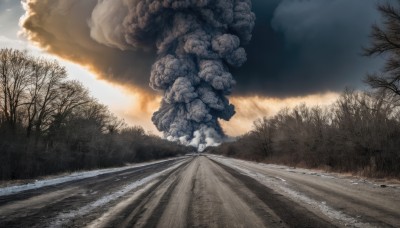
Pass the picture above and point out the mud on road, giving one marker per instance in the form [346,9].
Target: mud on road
[197,191]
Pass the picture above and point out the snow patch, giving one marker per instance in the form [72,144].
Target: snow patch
[280,179]
[72,177]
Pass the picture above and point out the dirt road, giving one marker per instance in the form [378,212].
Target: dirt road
[205,191]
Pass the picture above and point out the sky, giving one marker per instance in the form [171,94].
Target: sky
[302,51]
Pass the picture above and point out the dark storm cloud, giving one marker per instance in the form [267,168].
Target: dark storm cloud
[298,47]
[301,47]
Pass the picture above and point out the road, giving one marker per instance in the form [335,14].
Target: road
[205,191]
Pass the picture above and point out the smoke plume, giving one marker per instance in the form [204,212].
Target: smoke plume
[195,41]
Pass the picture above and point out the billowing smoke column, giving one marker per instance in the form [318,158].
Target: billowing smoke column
[196,40]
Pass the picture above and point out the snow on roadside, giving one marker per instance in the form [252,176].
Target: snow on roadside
[282,167]
[72,177]
[296,196]
[354,180]
[64,218]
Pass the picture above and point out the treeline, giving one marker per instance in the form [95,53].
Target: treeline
[360,132]
[49,124]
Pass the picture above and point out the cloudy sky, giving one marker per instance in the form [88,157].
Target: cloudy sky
[301,51]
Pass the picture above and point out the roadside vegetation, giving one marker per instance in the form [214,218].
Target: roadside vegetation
[359,133]
[49,124]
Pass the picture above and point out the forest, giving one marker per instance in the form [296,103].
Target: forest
[49,124]
[359,133]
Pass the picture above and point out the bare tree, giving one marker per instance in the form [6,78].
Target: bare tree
[101,116]
[15,72]
[71,96]
[386,40]
[263,130]
[44,89]
[114,124]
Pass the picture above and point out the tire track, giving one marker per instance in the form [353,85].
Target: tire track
[195,192]
[203,193]
[337,198]
[293,214]
[37,208]
[146,210]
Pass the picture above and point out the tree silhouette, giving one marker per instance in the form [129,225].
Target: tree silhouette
[386,42]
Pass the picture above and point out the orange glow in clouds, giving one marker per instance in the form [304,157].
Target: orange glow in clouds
[136,106]
[251,108]
[140,107]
